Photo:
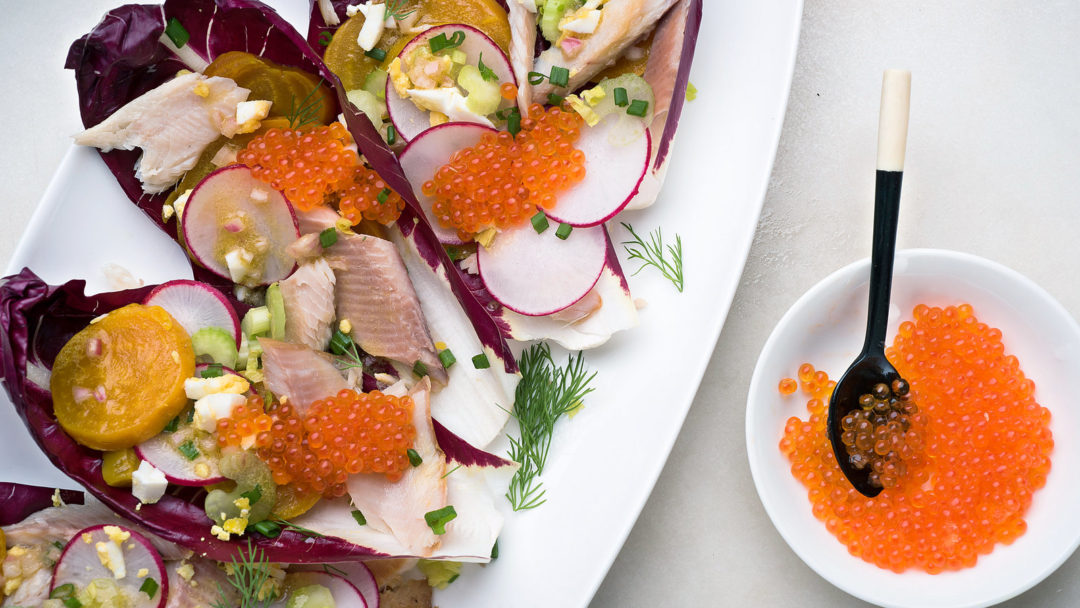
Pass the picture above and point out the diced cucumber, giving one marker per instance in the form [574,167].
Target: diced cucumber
[369,104]
[215,344]
[256,322]
[243,352]
[484,97]
[311,596]
[276,304]
[551,13]
[375,83]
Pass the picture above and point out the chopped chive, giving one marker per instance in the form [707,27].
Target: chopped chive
[555,100]
[481,361]
[456,253]
[391,135]
[359,517]
[72,602]
[441,42]
[560,76]
[621,98]
[447,358]
[414,457]
[176,32]
[536,78]
[62,591]
[172,426]
[253,495]
[149,587]
[495,550]
[487,73]
[453,578]
[419,369]
[437,520]
[191,415]
[505,113]
[267,528]
[376,54]
[325,38]
[328,237]
[564,231]
[58,545]
[214,370]
[340,343]
[638,108]
[383,195]
[189,450]
[539,222]
[513,122]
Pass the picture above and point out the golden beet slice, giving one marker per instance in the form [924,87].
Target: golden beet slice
[289,89]
[118,382]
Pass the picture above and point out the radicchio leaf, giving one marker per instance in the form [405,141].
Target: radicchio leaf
[18,501]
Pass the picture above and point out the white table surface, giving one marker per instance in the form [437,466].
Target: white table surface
[992,169]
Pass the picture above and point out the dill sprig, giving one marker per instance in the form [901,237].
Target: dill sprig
[652,253]
[394,9]
[545,393]
[308,110]
[342,345]
[249,575]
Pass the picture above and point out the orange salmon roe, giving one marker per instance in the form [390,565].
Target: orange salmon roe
[501,181]
[304,164]
[342,435]
[788,386]
[508,91]
[366,197]
[987,446]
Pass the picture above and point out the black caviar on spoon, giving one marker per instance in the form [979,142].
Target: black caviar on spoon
[871,368]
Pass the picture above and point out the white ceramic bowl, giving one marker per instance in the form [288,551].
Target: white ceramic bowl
[825,327]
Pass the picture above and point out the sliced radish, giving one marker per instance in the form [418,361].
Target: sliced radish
[164,452]
[408,119]
[80,564]
[358,574]
[345,594]
[238,227]
[540,274]
[428,153]
[195,305]
[613,174]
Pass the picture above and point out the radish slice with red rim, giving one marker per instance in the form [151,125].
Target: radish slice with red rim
[540,274]
[613,173]
[427,154]
[186,457]
[356,573]
[345,594]
[238,227]
[195,305]
[408,119]
[128,553]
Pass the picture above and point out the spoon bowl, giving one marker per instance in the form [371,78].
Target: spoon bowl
[868,370]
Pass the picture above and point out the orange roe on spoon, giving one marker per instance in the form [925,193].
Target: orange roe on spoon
[985,450]
[342,435]
[500,182]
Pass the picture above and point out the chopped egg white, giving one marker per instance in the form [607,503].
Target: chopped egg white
[584,21]
[239,262]
[148,483]
[197,388]
[112,557]
[212,408]
[252,111]
[374,24]
[448,101]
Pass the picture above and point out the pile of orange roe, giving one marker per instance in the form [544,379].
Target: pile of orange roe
[500,182]
[315,166]
[987,446]
[342,435]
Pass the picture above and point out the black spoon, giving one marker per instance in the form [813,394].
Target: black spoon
[871,367]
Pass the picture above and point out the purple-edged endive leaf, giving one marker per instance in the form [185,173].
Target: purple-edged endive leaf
[668,71]
[18,501]
[37,320]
